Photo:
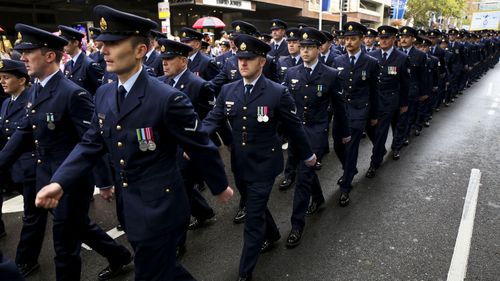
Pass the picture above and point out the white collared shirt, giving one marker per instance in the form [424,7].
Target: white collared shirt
[148,54]
[279,43]
[178,76]
[389,52]
[407,50]
[193,56]
[130,82]
[312,67]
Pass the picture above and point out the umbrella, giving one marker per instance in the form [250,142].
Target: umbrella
[209,22]
[1,29]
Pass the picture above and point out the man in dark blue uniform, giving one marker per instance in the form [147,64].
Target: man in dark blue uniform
[278,46]
[458,64]
[15,79]
[394,83]
[293,58]
[434,35]
[254,105]
[199,63]
[80,69]
[202,96]
[97,56]
[327,54]
[58,114]
[152,60]
[230,71]
[141,122]
[431,80]
[370,40]
[314,87]
[359,79]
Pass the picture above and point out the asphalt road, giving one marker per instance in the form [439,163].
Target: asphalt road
[401,225]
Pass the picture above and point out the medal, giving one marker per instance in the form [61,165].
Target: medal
[320,91]
[363,75]
[265,118]
[149,137]
[260,118]
[50,121]
[141,138]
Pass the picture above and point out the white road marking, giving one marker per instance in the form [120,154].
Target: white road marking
[113,233]
[458,266]
[16,205]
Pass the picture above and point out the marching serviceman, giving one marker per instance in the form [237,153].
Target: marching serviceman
[198,63]
[141,122]
[58,114]
[358,75]
[314,87]
[293,58]
[278,46]
[80,69]
[254,105]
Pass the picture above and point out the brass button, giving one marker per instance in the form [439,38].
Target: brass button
[244,128]
[304,123]
[307,85]
[33,111]
[34,127]
[305,97]
[244,118]
[6,129]
[33,154]
[350,79]
[8,138]
[243,143]
[39,161]
[6,121]
[167,189]
[122,162]
[272,150]
[120,144]
[36,141]
[350,72]
[305,107]
[125,185]
[118,127]
[244,108]
[350,87]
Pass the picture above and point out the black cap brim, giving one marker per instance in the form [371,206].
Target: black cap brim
[108,37]
[247,55]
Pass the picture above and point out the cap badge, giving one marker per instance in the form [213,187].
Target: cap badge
[369,32]
[243,46]
[1,63]
[103,24]
[383,31]
[291,33]
[162,49]
[305,36]
[19,36]
[405,30]
[274,23]
[349,28]
[184,34]
[238,28]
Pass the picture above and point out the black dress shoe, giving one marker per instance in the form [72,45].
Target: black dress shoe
[406,142]
[246,278]
[294,238]
[27,268]
[371,172]
[427,124]
[417,133]
[201,186]
[119,227]
[396,155]
[240,216]
[344,199]
[314,207]
[199,222]
[318,166]
[286,184]
[113,270]
[267,245]
[340,180]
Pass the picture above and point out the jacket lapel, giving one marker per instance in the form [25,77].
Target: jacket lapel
[78,63]
[135,95]
[18,104]
[316,73]
[183,81]
[360,62]
[50,87]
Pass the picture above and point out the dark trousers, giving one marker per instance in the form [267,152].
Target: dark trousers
[338,146]
[424,108]
[155,258]
[381,131]
[2,225]
[351,159]
[8,270]
[33,230]
[308,184]
[291,165]
[413,108]
[72,226]
[259,224]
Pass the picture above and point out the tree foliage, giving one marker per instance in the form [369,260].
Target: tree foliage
[421,10]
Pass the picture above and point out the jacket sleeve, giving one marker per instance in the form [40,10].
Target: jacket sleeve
[339,106]
[216,117]
[373,88]
[183,123]
[94,76]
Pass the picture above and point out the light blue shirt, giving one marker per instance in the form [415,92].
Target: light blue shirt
[312,67]
[356,56]
[75,58]
[252,83]
[178,76]
[130,82]
[47,79]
